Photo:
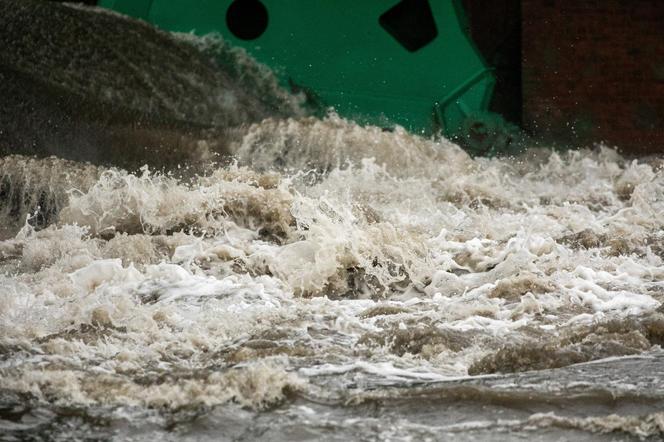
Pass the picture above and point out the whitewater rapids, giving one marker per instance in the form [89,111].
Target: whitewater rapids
[330,267]
[280,277]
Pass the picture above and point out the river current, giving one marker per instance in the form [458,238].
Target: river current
[328,281]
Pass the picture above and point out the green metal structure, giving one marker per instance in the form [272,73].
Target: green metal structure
[380,62]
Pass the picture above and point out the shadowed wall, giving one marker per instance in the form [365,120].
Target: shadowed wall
[594,71]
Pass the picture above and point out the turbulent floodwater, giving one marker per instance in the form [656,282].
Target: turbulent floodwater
[333,282]
[336,282]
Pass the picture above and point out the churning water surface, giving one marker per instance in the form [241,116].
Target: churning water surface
[334,282]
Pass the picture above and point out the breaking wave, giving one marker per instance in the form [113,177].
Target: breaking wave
[326,257]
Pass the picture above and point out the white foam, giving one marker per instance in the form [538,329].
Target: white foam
[322,270]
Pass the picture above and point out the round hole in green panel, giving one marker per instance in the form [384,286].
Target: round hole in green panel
[247,19]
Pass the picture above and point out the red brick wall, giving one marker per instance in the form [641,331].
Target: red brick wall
[593,70]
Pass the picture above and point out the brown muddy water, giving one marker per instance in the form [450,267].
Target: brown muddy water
[333,282]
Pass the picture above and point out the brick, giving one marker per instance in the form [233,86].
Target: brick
[597,66]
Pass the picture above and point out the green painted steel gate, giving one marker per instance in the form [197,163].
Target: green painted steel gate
[381,62]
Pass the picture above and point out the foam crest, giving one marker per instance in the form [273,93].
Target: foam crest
[332,252]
